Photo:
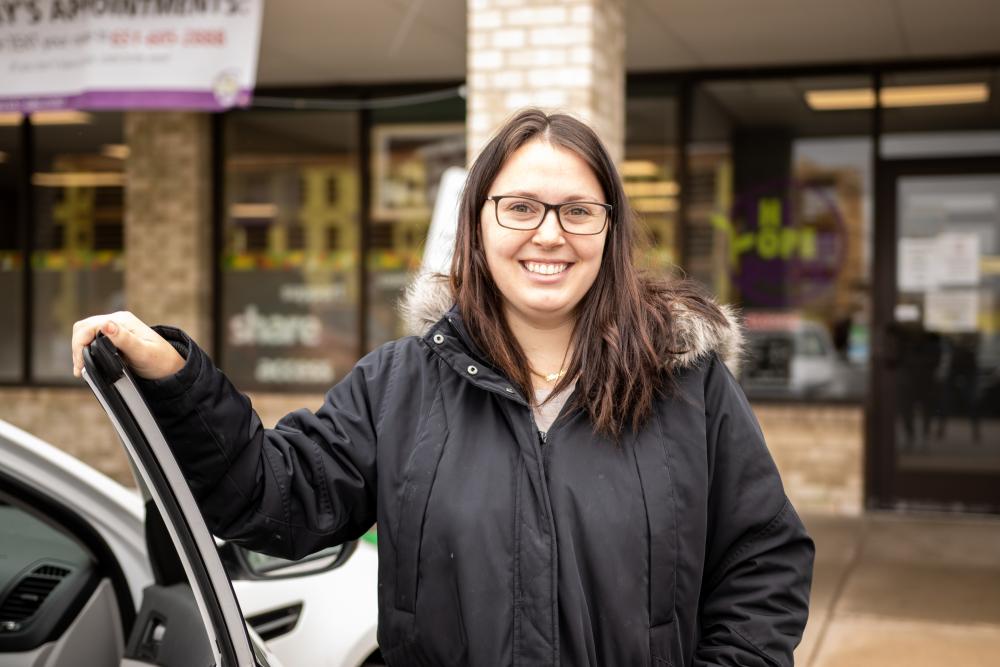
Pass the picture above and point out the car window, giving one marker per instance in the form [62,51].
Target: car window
[44,574]
[811,345]
[64,598]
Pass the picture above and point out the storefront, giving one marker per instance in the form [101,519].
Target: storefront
[853,213]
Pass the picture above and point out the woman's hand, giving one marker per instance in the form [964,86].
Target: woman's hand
[147,352]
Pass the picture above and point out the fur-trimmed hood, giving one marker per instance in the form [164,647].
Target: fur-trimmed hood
[428,298]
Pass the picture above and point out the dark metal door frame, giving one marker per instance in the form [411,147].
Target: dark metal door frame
[886,486]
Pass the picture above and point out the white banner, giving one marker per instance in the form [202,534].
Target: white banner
[128,54]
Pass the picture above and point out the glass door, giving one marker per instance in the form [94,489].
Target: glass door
[935,418]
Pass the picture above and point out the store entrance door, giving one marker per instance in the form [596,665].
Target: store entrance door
[934,418]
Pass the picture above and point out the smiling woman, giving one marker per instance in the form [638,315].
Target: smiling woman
[562,469]
[530,251]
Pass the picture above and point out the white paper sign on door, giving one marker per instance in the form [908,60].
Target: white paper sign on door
[916,270]
[958,259]
[951,311]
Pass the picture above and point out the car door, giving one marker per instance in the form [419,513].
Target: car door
[166,630]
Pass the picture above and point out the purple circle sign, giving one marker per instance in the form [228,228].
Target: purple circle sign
[787,243]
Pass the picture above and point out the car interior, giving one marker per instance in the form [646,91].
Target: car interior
[64,600]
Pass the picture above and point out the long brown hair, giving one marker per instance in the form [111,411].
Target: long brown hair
[623,341]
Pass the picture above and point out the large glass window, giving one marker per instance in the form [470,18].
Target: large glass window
[650,169]
[410,149]
[291,242]
[11,253]
[779,222]
[78,258]
[941,114]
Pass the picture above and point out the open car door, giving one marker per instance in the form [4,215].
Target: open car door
[197,622]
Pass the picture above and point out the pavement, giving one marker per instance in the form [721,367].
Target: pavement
[900,589]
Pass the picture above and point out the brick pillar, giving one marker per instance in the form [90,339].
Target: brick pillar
[168,229]
[565,55]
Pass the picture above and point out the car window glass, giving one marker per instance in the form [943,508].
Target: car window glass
[811,345]
[50,586]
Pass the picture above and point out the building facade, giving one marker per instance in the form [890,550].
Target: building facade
[850,209]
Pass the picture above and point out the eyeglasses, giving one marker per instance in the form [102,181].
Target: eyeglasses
[574,217]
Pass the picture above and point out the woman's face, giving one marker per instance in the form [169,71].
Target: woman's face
[543,273]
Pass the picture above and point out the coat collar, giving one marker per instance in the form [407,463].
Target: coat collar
[428,302]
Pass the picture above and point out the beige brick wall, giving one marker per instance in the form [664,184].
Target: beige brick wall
[819,450]
[566,55]
[168,229]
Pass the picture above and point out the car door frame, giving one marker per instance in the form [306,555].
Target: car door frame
[111,381]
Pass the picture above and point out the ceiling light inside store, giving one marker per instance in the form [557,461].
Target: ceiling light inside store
[256,211]
[639,168]
[61,117]
[898,96]
[652,188]
[654,205]
[116,151]
[57,117]
[79,179]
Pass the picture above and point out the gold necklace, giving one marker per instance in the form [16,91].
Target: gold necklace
[549,377]
[552,377]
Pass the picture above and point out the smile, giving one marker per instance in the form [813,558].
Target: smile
[545,268]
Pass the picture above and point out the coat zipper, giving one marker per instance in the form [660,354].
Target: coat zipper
[543,452]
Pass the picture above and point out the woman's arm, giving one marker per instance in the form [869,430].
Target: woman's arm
[758,563]
[288,491]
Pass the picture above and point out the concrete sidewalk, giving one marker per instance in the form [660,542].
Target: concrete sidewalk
[906,590]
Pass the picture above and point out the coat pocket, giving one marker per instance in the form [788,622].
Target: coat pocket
[664,645]
[416,489]
[409,653]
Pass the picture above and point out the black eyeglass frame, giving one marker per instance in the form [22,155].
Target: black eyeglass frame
[550,207]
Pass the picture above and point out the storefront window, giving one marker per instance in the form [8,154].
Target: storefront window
[408,157]
[78,259]
[650,170]
[779,223]
[11,255]
[291,240]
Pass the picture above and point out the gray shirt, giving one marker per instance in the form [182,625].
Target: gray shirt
[547,413]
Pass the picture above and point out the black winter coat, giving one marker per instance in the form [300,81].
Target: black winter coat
[677,547]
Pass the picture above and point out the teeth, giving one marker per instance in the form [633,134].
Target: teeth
[545,269]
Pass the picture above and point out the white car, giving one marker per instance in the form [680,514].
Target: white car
[91,574]
[789,357]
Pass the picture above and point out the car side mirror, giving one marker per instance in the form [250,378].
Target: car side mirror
[244,564]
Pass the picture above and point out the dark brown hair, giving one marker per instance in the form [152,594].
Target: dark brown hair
[623,341]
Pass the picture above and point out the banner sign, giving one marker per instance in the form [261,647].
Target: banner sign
[128,54]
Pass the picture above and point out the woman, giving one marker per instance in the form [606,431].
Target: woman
[640,523]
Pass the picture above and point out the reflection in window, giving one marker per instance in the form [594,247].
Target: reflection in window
[291,240]
[945,332]
[78,260]
[11,256]
[650,170]
[408,160]
[779,222]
